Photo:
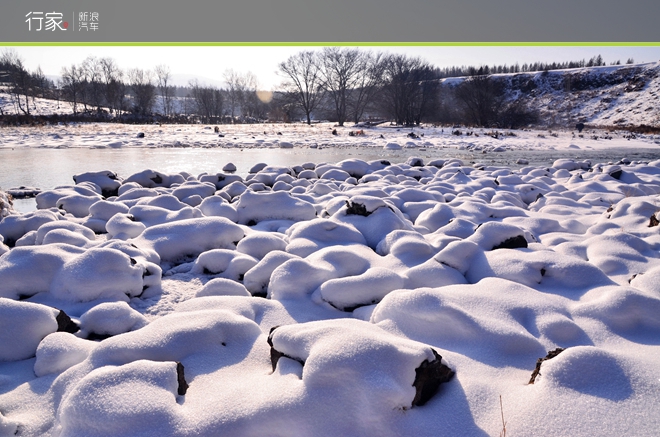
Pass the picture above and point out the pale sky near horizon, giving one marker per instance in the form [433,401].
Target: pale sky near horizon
[208,63]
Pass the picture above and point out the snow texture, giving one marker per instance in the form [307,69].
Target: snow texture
[308,300]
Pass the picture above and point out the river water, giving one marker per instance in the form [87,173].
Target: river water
[46,168]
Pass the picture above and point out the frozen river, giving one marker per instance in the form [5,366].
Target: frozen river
[46,168]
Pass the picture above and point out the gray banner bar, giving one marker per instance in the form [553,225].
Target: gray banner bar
[329,21]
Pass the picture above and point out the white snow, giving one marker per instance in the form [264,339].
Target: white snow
[22,327]
[363,267]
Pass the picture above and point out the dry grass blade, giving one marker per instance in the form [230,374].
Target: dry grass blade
[503,432]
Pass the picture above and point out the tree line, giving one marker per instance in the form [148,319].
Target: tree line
[339,84]
[350,84]
[596,61]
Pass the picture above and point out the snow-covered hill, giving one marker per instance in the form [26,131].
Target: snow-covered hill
[618,95]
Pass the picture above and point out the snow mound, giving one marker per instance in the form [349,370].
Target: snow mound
[22,327]
[184,238]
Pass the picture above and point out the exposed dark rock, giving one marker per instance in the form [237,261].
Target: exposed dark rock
[157,179]
[350,309]
[537,370]
[140,135]
[93,336]
[516,242]
[356,209]
[579,127]
[65,324]
[617,174]
[183,385]
[110,193]
[654,221]
[275,355]
[428,377]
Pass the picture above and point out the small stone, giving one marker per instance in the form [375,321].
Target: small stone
[537,370]
[517,242]
[428,377]
[183,385]
[356,209]
[65,324]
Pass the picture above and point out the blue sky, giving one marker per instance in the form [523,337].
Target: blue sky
[209,63]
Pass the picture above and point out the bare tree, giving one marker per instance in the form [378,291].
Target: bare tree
[234,91]
[482,98]
[284,107]
[208,101]
[114,87]
[367,85]
[250,103]
[144,90]
[73,85]
[57,89]
[93,72]
[163,77]
[342,69]
[41,83]
[241,92]
[20,79]
[304,80]
[411,89]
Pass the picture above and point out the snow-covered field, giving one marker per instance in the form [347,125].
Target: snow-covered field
[117,136]
[145,303]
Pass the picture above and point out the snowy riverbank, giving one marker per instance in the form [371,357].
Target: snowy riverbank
[175,281]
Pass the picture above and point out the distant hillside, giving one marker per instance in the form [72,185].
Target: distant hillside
[621,95]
